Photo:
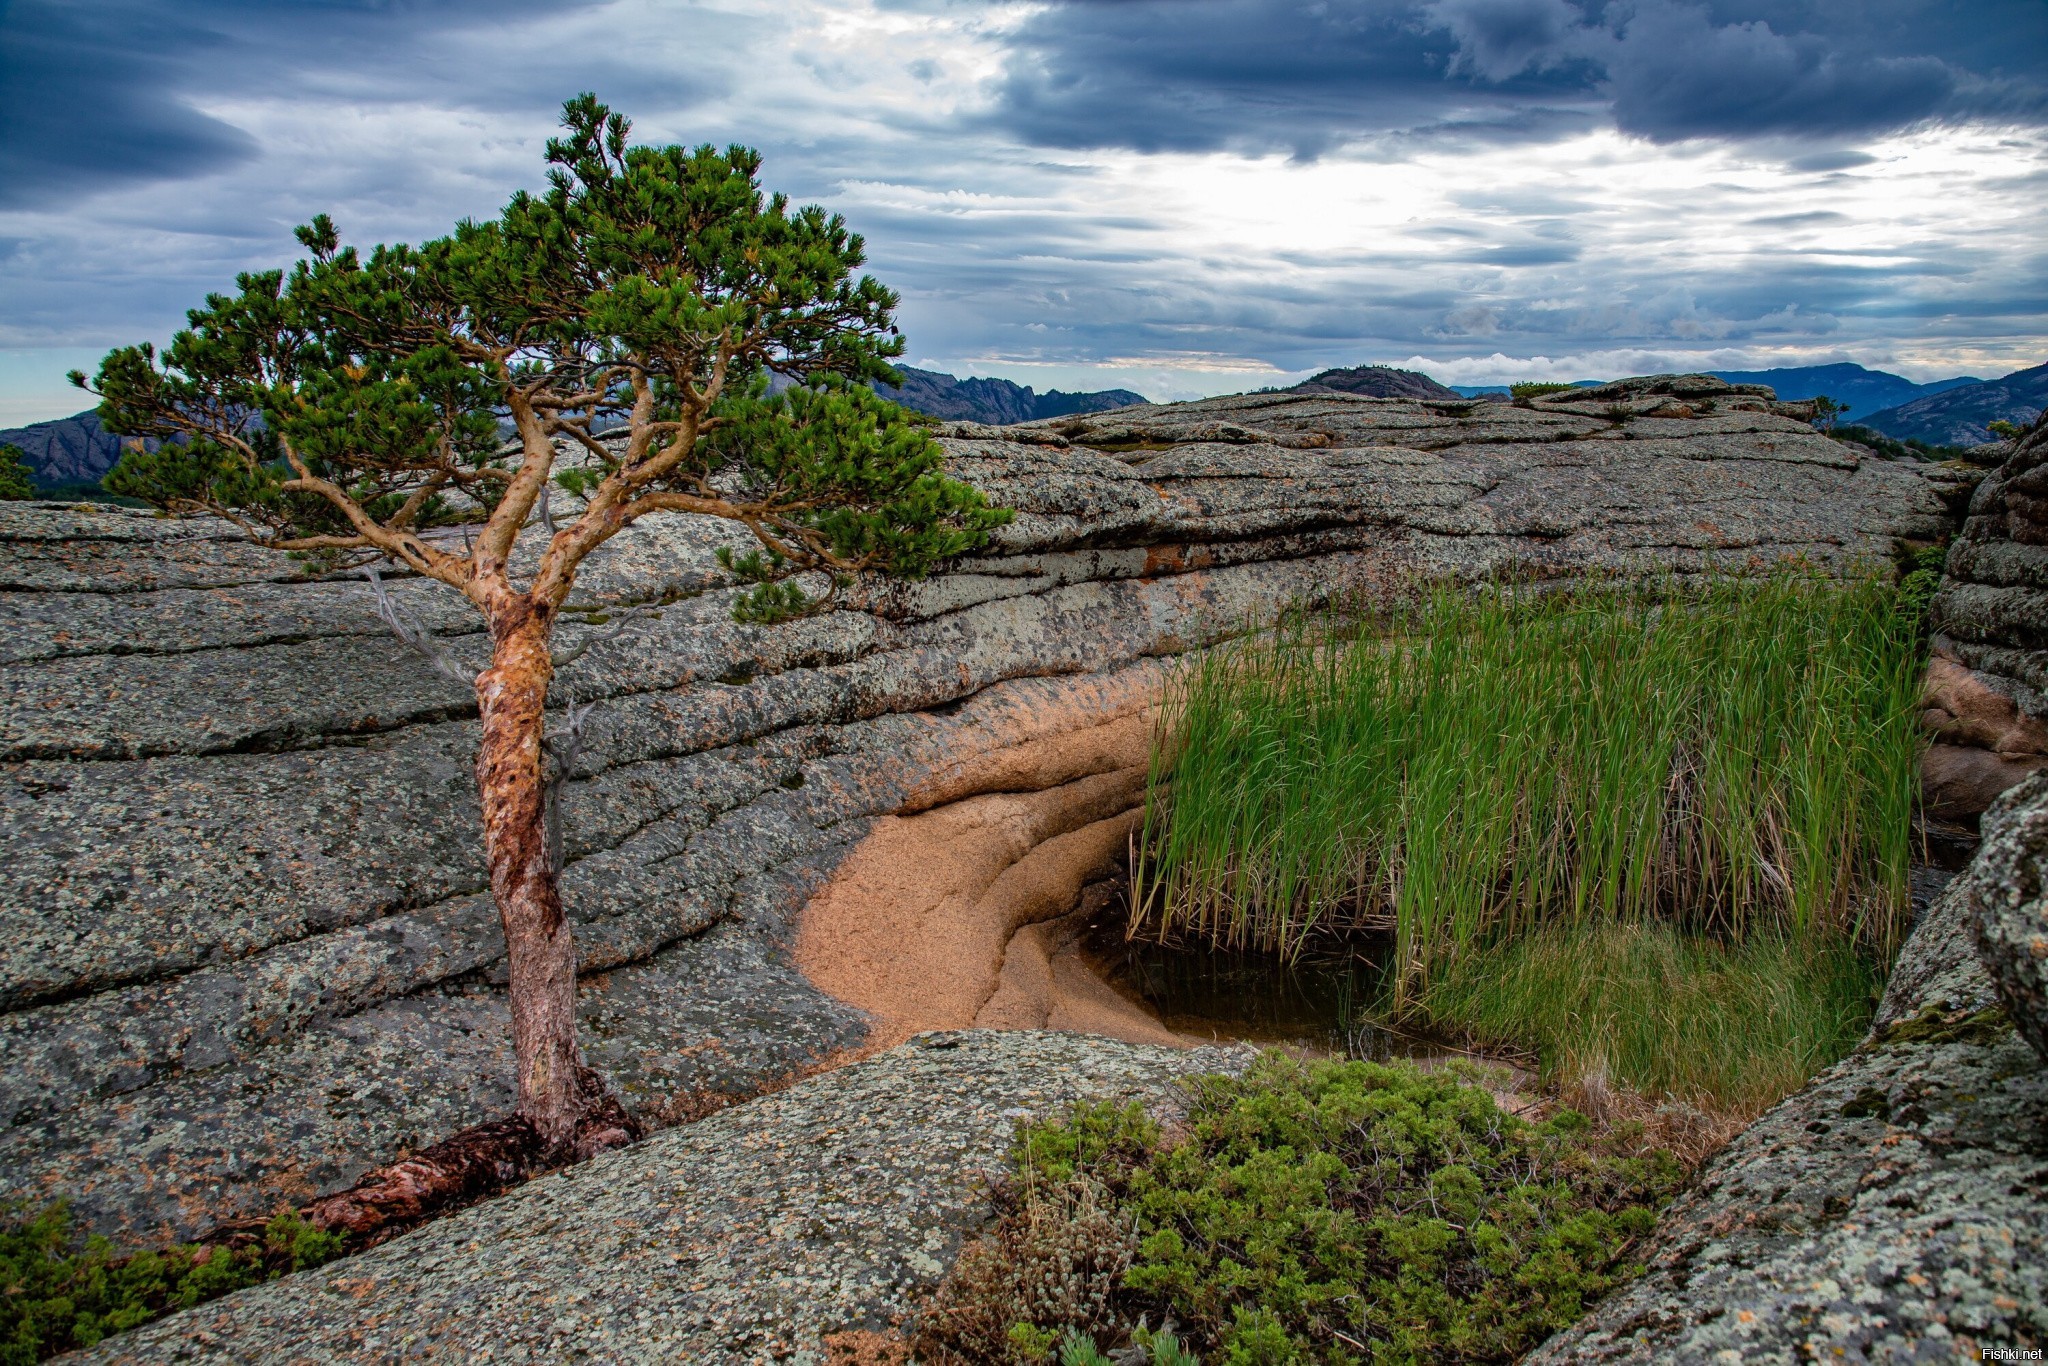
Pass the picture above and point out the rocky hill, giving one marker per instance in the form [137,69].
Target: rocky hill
[66,451]
[251,950]
[1865,391]
[1960,416]
[998,401]
[1375,381]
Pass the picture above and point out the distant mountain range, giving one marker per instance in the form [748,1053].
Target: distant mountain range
[1959,416]
[997,401]
[72,453]
[1866,392]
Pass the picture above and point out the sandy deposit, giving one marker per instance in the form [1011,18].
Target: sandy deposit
[964,909]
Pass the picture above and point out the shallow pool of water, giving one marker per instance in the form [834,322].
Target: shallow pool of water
[1313,1002]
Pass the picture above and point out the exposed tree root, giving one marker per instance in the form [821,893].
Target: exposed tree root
[480,1161]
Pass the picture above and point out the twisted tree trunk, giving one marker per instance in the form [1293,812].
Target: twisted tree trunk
[554,1093]
[564,1110]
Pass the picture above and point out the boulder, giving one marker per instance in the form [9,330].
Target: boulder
[2008,907]
[1892,1210]
[251,953]
[746,1237]
[1987,694]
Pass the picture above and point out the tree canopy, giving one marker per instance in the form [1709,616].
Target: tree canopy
[355,402]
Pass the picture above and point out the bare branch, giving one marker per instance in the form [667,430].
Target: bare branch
[415,635]
[564,754]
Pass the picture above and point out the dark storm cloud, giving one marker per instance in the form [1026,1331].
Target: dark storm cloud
[98,95]
[1252,75]
[1289,74]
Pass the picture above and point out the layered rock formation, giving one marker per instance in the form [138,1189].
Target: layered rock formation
[250,950]
[1988,688]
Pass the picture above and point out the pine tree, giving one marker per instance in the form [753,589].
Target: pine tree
[17,479]
[629,315]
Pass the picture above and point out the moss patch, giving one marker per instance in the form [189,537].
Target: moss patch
[1933,1025]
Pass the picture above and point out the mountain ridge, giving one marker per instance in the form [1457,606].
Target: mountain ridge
[1962,416]
[66,453]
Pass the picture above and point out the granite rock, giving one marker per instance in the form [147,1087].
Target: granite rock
[1892,1210]
[1991,614]
[249,951]
[746,1237]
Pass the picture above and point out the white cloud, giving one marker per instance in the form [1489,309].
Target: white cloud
[1586,253]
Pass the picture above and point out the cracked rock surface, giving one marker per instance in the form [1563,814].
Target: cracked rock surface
[744,1237]
[1896,1209]
[249,954]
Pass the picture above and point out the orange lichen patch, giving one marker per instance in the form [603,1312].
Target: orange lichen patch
[938,919]
[1176,559]
[1163,559]
[862,1347]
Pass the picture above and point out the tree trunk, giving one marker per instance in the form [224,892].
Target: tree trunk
[554,1092]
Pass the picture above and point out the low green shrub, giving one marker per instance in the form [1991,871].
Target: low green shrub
[1334,1212]
[1891,447]
[57,1294]
[1538,388]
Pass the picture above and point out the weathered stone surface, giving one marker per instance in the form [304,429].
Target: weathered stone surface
[1992,612]
[1894,1209]
[2009,911]
[248,947]
[745,1237]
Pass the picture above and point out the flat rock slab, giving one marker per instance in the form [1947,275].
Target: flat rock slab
[744,1237]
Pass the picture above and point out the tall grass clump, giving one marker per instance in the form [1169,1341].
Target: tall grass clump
[1504,781]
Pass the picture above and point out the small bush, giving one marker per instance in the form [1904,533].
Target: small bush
[17,479]
[1339,1212]
[59,1296]
[1538,388]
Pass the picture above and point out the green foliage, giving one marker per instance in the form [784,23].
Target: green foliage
[1734,1024]
[59,1296]
[1345,1212]
[1731,761]
[647,293]
[1826,412]
[1538,388]
[1892,448]
[1920,571]
[2003,430]
[17,480]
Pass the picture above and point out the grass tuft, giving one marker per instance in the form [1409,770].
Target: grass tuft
[1501,783]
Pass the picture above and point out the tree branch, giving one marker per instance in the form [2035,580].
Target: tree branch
[418,637]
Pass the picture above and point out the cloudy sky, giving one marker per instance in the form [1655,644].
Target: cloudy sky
[1175,196]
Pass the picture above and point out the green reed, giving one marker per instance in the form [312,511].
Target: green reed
[1733,760]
